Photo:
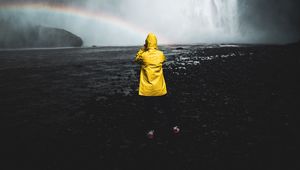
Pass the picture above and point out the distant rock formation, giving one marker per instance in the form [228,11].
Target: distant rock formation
[17,36]
[295,45]
[179,48]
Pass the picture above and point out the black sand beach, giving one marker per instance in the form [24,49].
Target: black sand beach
[79,109]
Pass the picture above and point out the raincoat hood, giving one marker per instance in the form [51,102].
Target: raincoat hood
[151,41]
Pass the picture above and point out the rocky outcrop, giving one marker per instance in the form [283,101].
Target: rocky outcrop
[16,36]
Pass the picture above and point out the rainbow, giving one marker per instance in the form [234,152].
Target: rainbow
[83,13]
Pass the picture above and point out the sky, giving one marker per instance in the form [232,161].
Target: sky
[174,21]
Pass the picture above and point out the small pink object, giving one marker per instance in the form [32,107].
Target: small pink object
[176,130]
[150,134]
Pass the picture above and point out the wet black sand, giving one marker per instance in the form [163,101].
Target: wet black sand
[78,109]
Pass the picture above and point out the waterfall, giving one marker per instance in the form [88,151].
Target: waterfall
[212,18]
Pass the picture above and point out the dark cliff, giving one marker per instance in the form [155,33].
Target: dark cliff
[12,36]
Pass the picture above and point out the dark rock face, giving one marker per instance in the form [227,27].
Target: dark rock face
[12,36]
[53,37]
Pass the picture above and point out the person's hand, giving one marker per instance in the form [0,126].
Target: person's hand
[144,48]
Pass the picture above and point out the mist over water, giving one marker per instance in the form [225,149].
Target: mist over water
[174,21]
[188,21]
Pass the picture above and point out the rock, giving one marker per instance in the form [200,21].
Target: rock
[13,36]
[179,48]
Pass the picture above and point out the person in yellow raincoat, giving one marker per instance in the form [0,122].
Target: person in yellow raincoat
[152,81]
[152,85]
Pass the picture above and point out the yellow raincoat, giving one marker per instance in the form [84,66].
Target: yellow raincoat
[152,81]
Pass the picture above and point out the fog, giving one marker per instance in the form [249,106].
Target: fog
[174,21]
